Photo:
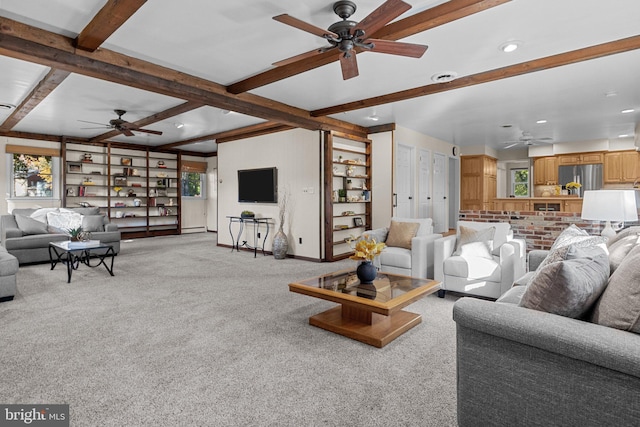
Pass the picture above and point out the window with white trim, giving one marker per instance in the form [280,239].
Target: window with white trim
[520,182]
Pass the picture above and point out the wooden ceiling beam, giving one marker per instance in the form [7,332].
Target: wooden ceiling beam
[32,44]
[233,134]
[47,85]
[166,114]
[34,136]
[414,24]
[559,60]
[111,17]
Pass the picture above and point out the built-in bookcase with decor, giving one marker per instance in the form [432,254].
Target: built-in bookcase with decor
[347,191]
[138,189]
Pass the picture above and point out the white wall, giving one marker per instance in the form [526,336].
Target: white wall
[382,179]
[297,155]
[212,194]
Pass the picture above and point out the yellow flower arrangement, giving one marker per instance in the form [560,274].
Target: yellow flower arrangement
[571,185]
[366,249]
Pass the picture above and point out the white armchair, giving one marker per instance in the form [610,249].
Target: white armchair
[488,270]
[415,262]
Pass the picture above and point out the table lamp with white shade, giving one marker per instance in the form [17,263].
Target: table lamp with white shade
[609,205]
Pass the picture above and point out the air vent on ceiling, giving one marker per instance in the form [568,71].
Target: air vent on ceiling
[447,76]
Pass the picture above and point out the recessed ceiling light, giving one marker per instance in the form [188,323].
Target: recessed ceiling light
[541,122]
[4,106]
[611,94]
[373,117]
[624,135]
[510,46]
[179,125]
[628,110]
[444,77]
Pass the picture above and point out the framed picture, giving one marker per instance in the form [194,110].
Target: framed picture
[126,161]
[358,222]
[74,167]
[120,181]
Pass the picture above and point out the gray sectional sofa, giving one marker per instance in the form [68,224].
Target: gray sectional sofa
[27,237]
[8,269]
[532,366]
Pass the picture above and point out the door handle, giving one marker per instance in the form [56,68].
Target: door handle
[410,198]
[428,198]
[445,197]
[395,200]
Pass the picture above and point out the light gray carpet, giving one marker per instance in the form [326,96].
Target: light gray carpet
[190,334]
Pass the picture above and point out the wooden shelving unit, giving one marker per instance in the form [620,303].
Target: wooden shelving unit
[148,203]
[347,191]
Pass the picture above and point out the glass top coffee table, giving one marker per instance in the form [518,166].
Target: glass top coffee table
[72,254]
[370,313]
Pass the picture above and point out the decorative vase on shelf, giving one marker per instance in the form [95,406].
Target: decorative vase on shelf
[280,244]
[366,272]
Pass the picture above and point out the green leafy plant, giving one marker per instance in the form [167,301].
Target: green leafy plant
[342,192]
[75,233]
[247,214]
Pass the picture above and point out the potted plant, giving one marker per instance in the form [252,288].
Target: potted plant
[77,235]
[342,195]
[247,214]
[366,250]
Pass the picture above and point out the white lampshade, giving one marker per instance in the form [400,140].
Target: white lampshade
[609,205]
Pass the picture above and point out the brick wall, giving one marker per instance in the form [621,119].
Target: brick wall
[538,229]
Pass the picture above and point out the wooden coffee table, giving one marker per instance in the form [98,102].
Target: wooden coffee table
[370,313]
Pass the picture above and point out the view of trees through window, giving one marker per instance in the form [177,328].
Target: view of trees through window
[32,176]
[191,184]
[520,182]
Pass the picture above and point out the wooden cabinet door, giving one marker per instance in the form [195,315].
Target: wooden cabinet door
[612,167]
[539,171]
[569,159]
[573,205]
[588,158]
[471,192]
[629,162]
[550,170]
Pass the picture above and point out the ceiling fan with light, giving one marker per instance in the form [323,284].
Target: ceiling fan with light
[122,125]
[346,37]
[527,140]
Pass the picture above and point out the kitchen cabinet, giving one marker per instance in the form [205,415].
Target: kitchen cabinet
[580,158]
[573,205]
[545,171]
[478,182]
[511,205]
[621,166]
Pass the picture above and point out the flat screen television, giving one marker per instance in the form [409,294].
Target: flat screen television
[258,185]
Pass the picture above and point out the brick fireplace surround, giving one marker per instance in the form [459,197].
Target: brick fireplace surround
[538,229]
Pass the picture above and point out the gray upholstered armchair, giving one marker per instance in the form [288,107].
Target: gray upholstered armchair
[484,267]
[407,254]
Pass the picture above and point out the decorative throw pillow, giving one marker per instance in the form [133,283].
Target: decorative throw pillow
[92,223]
[624,233]
[570,287]
[621,248]
[29,225]
[41,214]
[472,242]
[619,305]
[573,235]
[401,233]
[64,220]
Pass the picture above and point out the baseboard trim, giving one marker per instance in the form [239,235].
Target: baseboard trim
[302,258]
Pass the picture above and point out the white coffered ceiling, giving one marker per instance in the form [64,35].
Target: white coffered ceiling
[226,42]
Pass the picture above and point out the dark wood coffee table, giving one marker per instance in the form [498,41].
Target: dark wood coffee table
[370,313]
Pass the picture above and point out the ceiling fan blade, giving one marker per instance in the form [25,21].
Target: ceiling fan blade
[126,131]
[153,132]
[94,123]
[387,12]
[398,48]
[301,25]
[305,55]
[349,65]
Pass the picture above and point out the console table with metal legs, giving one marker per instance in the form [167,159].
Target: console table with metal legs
[256,233]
